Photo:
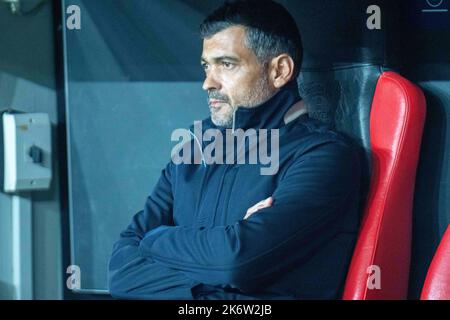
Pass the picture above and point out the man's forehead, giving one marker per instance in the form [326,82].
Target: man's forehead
[215,55]
[226,43]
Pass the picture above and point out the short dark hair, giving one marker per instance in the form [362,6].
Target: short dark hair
[270,28]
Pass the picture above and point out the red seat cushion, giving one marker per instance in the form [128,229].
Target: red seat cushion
[396,126]
[437,282]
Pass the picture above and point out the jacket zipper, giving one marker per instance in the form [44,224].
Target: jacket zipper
[234,121]
[219,194]
[199,205]
[224,217]
[200,146]
[200,220]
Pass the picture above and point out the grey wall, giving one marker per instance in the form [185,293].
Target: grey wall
[27,83]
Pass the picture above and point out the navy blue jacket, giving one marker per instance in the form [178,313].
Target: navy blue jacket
[191,242]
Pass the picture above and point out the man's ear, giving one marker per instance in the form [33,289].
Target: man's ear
[281,70]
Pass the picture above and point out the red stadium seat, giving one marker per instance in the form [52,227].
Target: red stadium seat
[437,282]
[397,119]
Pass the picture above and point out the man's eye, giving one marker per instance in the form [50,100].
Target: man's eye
[205,66]
[227,65]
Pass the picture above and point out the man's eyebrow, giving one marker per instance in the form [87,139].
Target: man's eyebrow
[221,58]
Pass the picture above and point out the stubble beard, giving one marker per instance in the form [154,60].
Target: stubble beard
[259,94]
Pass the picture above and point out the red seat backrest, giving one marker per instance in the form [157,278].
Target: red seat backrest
[437,282]
[396,125]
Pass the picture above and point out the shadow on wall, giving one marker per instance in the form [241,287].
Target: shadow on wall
[24,45]
[8,86]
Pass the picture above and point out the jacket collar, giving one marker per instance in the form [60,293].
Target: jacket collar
[284,107]
[270,114]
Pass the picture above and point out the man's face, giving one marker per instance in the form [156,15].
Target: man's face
[234,77]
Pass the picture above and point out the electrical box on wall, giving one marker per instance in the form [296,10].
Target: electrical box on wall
[25,151]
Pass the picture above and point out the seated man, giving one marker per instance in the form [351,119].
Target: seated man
[227,230]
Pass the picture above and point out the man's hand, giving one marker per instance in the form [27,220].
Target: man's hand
[260,205]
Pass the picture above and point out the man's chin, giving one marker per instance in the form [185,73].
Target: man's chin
[221,122]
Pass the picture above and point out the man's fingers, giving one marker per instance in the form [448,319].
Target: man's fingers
[269,201]
[264,204]
[260,205]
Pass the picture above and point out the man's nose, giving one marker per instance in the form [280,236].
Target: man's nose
[211,83]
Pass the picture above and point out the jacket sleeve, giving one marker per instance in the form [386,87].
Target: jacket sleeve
[308,201]
[131,276]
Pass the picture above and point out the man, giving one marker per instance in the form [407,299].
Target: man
[226,231]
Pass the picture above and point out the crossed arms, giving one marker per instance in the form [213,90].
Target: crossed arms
[154,259]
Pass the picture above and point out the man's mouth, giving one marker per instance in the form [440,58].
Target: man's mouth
[216,103]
